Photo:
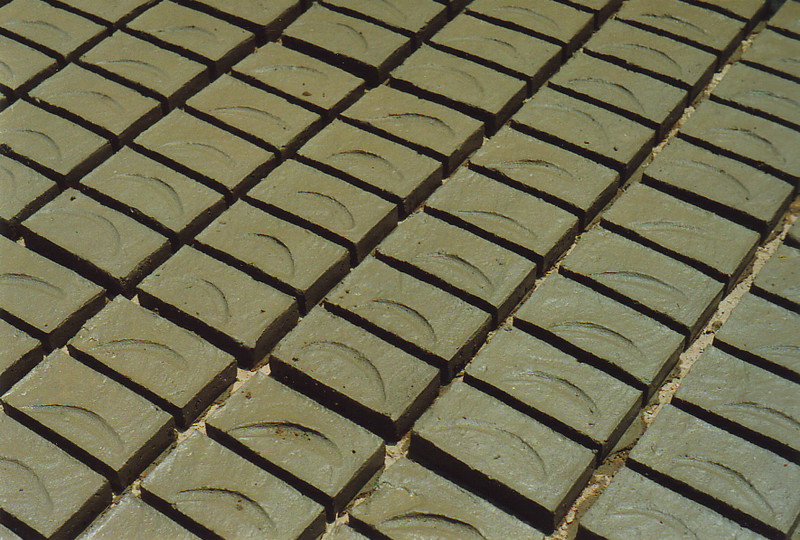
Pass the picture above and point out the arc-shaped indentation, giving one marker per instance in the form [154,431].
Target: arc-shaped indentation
[6,72]
[281,257]
[141,66]
[350,364]
[103,232]
[138,350]
[764,413]
[536,166]
[749,137]
[494,220]
[109,102]
[583,120]
[650,284]
[724,477]
[530,12]
[675,20]
[652,520]
[312,74]
[21,482]
[407,317]
[81,423]
[222,307]
[168,194]
[32,284]
[740,190]
[451,79]
[457,267]
[335,211]
[230,503]
[61,35]
[640,50]
[197,32]
[676,228]
[259,114]
[625,94]
[591,331]
[781,351]
[429,525]
[47,144]
[201,150]
[356,158]
[396,12]
[759,94]
[567,389]
[417,121]
[8,184]
[356,40]
[484,41]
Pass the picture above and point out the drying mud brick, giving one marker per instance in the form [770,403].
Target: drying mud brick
[134,519]
[43,489]
[460,262]
[216,493]
[216,157]
[395,172]
[462,84]
[24,191]
[323,454]
[779,279]
[760,93]
[745,399]
[317,84]
[504,454]
[25,66]
[327,205]
[20,353]
[7,534]
[635,506]
[109,13]
[115,430]
[58,31]
[787,20]
[265,18]
[342,532]
[548,171]
[154,71]
[229,308]
[723,185]
[355,373]
[172,367]
[263,118]
[774,53]
[591,326]
[634,95]
[281,253]
[745,10]
[432,129]
[168,201]
[727,473]
[108,246]
[715,245]
[436,325]
[416,18]
[677,294]
[48,301]
[359,46]
[64,150]
[410,499]
[555,388]
[587,129]
[764,334]
[200,36]
[513,52]
[793,236]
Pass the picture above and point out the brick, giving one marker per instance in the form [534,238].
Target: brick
[502,453]
[217,493]
[418,19]
[343,532]
[355,373]
[265,18]
[430,128]
[409,499]
[511,218]
[793,236]
[320,452]
[109,13]
[327,205]
[24,191]
[548,171]
[744,399]
[166,200]
[727,473]
[200,36]
[576,125]
[104,244]
[7,534]
[774,53]
[461,84]
[597,329]
[779,280]
[466,265]
[715,245]
[560,23]
[764,334]
[246,317]
[20,353]
[588,405]
[437,326]
[746,10]
[172,367]
[63,149]
[273,250]
[154,71]
[661,57]
[753,140]
[397,173]
[720,184]
[786,20]
[602,9]
[635,505]
[639,97]
[204,151]
[676,294]
[25,66]
[319,85]
[760,93]
[133,518]
[361,47]
[48,493]
[515,53]
[59,32]
[46,300]
[254,114]
[115,430]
